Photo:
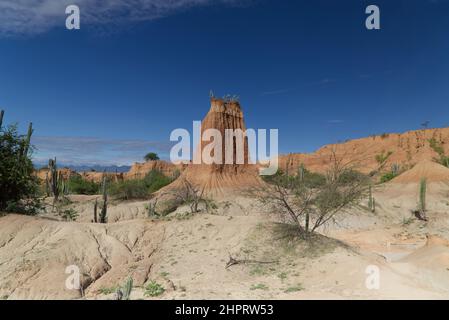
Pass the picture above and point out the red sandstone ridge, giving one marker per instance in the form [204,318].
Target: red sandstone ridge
[97,177]
[218,179]
[66,173]
[407,149]
[140,170]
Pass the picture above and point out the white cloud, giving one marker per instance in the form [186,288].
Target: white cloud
[85,150]
[37,16]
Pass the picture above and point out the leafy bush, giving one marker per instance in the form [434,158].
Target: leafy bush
[69,215]
[309,201]
[351,176]
[438,148]
[154,289]
[78,185]
[151,156]
[313,179]
[383,157]
[129,189]
[387,177]
[139,189]
[18,184]
[156,180]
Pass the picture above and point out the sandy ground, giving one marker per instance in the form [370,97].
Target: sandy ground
[187,255]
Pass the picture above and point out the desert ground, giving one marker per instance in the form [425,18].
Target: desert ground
[237,248]
[187,254]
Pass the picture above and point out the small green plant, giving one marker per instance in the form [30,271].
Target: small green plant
[259,286]
[383,157]
[154,289]
[295,288]
[282,276]
[107,291]
[387,177]
[407,221]
[258,270]
[69,215]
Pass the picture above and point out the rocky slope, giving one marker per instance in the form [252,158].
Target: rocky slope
[406,150]
[140,170]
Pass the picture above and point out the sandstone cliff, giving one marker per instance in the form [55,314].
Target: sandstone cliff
[217,179]
[140,170]
[406,150]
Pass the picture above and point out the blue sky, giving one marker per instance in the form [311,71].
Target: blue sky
[138,69]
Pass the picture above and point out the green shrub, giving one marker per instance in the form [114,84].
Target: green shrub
[314,179]
[438,148]
[69,215]
[383,157]
[259,286]
[140,188]
[107,291]
[154,289]
[387,177]
[156,180]
[78,185]
[351,176]
[129,189]
[18,184]
[295,288]
[151,156]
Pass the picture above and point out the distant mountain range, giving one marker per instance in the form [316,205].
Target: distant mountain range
[87,168]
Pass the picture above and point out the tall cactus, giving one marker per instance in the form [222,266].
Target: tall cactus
[54,179]
[95,211]
[301,172]
[104,209]
[47,185]
[422,196]
[28,140]
[371,201]
[64,187]
[124,292]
